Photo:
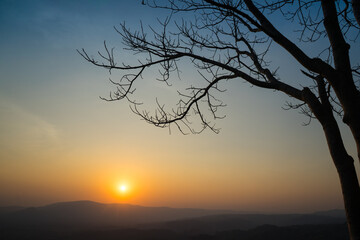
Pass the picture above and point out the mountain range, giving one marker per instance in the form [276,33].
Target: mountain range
[90,214]
[92,220]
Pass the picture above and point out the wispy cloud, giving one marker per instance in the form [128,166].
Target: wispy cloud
[22,129]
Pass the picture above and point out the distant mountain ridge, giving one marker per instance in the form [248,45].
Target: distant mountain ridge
[88,214]
[332,213]
[302,232]
[216,223]
[89,220]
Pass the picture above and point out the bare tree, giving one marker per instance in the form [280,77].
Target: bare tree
[231,39]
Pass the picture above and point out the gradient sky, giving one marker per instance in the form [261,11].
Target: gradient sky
[60,142]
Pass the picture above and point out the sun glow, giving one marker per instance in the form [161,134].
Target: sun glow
[123,188]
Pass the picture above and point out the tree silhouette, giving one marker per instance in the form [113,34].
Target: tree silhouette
[232,39]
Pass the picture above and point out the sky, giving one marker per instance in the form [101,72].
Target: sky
[60,142]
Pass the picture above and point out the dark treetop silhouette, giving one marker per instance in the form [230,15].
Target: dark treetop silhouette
[232,40]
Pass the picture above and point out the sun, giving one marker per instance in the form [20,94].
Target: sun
[123,188]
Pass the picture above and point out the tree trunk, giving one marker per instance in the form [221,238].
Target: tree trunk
[343,162]
[351,194]
[342,80]
[347,174]
[356,10]
[352,119]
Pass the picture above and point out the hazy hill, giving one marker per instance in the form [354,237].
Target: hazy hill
[332,213]
[10,209]
[93,214]
[90,214]
[301,232]
[94,221]
[216,223]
